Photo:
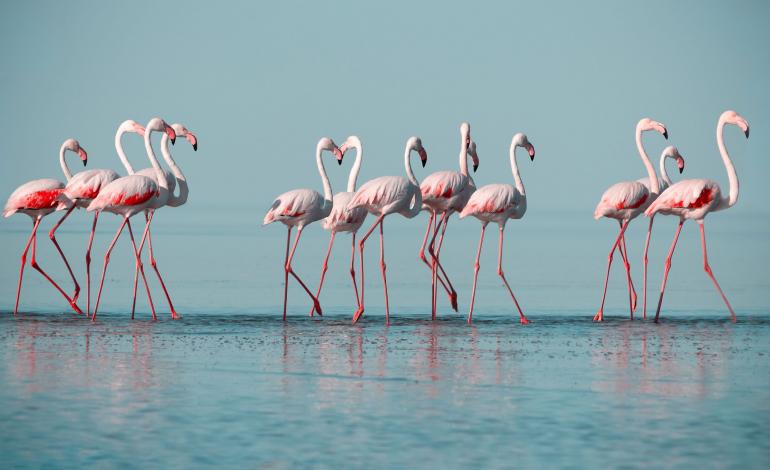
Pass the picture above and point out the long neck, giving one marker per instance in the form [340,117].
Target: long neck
[408,166]
[732,177]
[663,172]
[654,185]
[174,201]
[353,177]
[463,154]
[121,153]
[64,168]
[515,170]
[153,160]
[328,195]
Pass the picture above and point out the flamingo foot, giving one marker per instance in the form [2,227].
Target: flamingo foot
[174,315]
[633,301]
[317,307]
[357,315]
[599,315]
[75,307]
[524,321]
[453,300]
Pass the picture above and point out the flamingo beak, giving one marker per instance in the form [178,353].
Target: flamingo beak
[680,164]
[139,129]
[171,134]
[83,155]
[531,150]
[423,156]
[193,140]
[339,154]
[744,127]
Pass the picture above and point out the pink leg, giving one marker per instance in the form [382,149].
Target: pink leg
[428,230]
[35,224]
[353,268]
[154,264]
[667,268]
[88,263]
[52,236]
[141,267]
[316,305]
[631,291]
[710,273]
[145,232]
[644,260]
[500,273]
[286,273]
[36,266]
[104,268]
[451,290]
[361,242]
[384,278]
[323,270]
[476,267]
[600,314]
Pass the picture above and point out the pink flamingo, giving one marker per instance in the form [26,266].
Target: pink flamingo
[343,220]
[387,195]
[623,202]
[128,196]
[664,182]
[696,198]
[166,198]
[445,192]
[37,199]
[300,207]
[82,188]
[498,203]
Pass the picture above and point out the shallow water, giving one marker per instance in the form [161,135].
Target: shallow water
[238,390]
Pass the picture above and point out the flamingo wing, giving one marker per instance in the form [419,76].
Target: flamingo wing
[492,199]
[131,190]
[443,185]
[381,192]
[35,194]
[87,184]
[293,204]
[619,196]
[688,194]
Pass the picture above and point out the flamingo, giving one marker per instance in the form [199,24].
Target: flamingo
[383,196]
[37,199]
[445,192]
[343,220]
[128,196]
[623,202]
[166,198]
[696,198]
[498,203]
[82,188]
[664,182]
[300,207]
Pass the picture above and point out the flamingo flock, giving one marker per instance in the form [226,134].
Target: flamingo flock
[441,194]
[103,190]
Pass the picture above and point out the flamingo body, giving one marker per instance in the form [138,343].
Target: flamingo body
[446,190]
[126,196]
[496,203]
[297,208]
[35,198]
[623,201]
[341,218]
[163,195]
[85,186]
[688,199]
[387,195]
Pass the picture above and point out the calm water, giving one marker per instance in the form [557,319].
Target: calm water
[230,384]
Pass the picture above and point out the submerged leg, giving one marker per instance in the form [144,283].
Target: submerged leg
[384,277]
[710,273]
[667,268]
[286,272]
[154,264]
[644,260]
[476,271]
[353,268]
[145,232]
[450,290]
[631,291]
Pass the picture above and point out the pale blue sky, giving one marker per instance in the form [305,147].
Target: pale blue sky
[261,82]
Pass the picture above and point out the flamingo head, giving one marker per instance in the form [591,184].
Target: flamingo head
[474,155]
[159,125]
[328,144]
[521,140]
[129,125]
[415,143]
[182,131]
[673,153]
[647,124]
[74,146]
[731,117]
[351,142]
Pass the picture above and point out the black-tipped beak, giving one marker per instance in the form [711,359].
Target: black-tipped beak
[681,169]
[424,162]
[746,133]
[85,162]
[665,134]
[475,167]
[195,146]
[339,162]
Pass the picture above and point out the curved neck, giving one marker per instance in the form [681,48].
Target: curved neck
[663,172]
[153,160]
[732,177]
[328,195]
[121,153]
[463,154]
[353,177]
[165,150]
[654,185]
[408,166]
[64,168]
[515,170]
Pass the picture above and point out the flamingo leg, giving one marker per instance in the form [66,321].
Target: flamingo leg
[453,293]
[323,270]
[141,266]
[668,267]
[707,268]
[436,263]
[500,273]
[360,309]
[286,273]
[136,267]
[104,267]
[631,291]
[35,224]
[38,268]
[52,236]
[384,277]
[424,259]
[353,268]
[88,263]
[289,270]
[154,264]
[476,267]
[644,260]
[600,314]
